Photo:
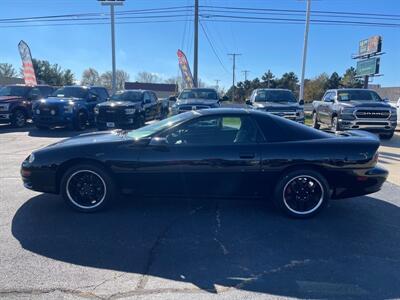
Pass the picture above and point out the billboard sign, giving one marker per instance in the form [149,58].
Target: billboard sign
[26,57]
[368,66]
[371,45]
[185,69]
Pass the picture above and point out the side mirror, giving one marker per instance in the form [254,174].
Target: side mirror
[158,142]
[93,97]
[248,102]
[385,100]
[172,98]
[301,102]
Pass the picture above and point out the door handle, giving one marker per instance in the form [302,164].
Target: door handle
[247,155]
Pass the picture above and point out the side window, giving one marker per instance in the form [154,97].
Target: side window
[146,97]
[153,97]
[329,97]
[103,94]
[214,131]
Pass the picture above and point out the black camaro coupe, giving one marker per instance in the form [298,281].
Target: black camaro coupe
[210,153]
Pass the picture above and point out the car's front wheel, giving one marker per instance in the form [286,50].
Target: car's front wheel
[302,193]
[335,124]
[87,188]
[315,123]
[81,121]
[18,118]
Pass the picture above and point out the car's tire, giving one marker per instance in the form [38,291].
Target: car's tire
[315,123]
[301,193]
[41,127]
[139,121]
[80,121]
[335,124]
[386,136]
[18,118]
[87,188]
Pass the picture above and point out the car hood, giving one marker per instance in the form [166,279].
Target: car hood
[10,99]
[195,101]
[92,138]
[57,100]
[118,104]
[277,105]
[365,104]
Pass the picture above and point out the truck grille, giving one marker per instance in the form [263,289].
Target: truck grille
[286,114]
[48,110]
[108,114]
[372,114]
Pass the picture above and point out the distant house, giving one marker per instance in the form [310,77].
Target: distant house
[11,80]
[391,93]
[163,90]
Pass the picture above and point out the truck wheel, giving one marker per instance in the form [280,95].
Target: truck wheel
[315,123]
[80,121]
[386,136]
[301,193]
[139,122]
[18,119]
[335,124]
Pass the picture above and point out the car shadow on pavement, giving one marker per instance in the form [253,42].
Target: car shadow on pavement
[7,128]
[351,250]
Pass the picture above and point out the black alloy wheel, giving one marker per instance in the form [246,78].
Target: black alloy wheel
[81,121]
[18,119]
[87,188]
[302,194]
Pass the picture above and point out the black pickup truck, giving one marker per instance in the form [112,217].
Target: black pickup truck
[130,109]
[16,102]
[346,109]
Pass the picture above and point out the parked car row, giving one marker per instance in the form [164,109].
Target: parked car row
[77,107]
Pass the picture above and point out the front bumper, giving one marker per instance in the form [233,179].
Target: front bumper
[57,120]
[38,179]
[359,182]
[121,124]
[368,124]
[5,117]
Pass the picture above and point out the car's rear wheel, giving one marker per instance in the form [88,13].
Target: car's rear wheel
[18,119]
[315,123]
[302,193]
[87,188]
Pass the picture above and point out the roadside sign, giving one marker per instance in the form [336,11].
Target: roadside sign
[371,45]
[368,66]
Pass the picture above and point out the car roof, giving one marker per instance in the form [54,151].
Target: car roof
[272,89]
[350,89]
[225,110]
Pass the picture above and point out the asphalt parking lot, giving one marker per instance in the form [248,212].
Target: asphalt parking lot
[193,249]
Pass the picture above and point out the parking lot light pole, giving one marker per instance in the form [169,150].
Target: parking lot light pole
[113,3]
[303,69]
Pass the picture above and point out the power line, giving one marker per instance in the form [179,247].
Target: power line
[212,47]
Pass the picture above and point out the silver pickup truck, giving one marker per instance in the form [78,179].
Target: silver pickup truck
[347,109]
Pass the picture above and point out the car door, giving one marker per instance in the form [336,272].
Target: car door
[325,108]
[209,156]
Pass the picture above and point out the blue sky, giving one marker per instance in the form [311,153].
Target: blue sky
[152,47]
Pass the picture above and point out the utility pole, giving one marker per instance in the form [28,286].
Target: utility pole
[217,83]
[196,43]
[112,4]
[303,70]
[245,72]
[233,72]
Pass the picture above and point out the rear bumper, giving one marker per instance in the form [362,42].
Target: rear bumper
[360,182]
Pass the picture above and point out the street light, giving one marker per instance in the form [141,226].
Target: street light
[112,3]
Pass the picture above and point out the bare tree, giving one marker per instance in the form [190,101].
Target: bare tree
[147,77]
[7,70]
[121,78]
[90,77]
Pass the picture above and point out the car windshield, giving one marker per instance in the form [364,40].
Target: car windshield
[19,91]
[358,95]
[275,96]
[205,94]
[151,129]
[71,92]
[127,96]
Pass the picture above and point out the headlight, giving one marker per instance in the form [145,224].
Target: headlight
[393,111]
[5,107]
[349,111]
[69,109]
[96,110]
[129,111]
[31,158]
